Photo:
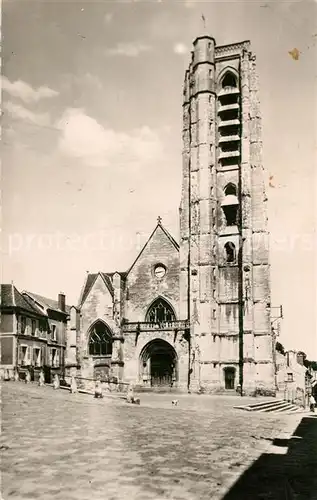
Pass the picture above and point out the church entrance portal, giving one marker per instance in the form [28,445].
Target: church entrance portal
[158,362]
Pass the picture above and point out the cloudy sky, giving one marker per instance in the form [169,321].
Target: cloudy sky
[92,95]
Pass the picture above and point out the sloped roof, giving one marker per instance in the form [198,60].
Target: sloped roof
[11,297]
[167,234]
[90,280]
[46,302]
[123,274]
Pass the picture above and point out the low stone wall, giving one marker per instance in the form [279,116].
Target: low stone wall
[88,384]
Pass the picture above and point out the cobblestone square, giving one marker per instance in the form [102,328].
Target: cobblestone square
[61,446]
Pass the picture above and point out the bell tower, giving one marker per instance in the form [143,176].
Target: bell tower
[224,283]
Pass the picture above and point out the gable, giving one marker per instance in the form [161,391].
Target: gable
[160,243]
[97,304]
[90,283]
[144,285]
[99,295]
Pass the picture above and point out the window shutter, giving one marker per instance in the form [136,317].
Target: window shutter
[29,353]
[43,360]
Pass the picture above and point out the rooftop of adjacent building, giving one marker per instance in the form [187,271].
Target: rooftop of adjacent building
[28,301]
[12,298]
[42,302]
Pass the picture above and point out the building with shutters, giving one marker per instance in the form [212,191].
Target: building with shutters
[32,333]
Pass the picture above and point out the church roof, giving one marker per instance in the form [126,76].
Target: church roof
[45,302]
[12,298]
[107,277]
[90,280]
[167,234]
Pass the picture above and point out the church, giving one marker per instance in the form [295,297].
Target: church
[194,315]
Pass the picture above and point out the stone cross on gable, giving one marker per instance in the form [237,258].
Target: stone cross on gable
[159,220]
[204,21]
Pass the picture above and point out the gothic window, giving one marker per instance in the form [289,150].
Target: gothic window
[230,205]
[100,340]
[159,312]
[231,214]
[230,250]
[230,189]
[229,80]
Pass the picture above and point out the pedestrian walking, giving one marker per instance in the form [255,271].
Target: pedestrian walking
[312,403]
[73,385]
[41,378]
[56,383]
[98,389]
[27,377]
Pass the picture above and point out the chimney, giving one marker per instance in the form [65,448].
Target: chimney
[301,358]
[61,301]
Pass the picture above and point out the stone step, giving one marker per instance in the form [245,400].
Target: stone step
[259,406]
[158,390]
[279,406]
[275,407]
[296,409]
[278,409]
[265,403]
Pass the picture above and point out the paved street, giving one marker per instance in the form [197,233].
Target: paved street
[65,447]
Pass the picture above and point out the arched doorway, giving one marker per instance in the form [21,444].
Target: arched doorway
[158,363]
[230,374]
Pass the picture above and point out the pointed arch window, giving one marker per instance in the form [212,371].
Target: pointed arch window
[230,250]
[231,189]
[100,340]
[159,312]
[230,205]
[229,80]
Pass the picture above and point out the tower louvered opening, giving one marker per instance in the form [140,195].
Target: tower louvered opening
[228,105]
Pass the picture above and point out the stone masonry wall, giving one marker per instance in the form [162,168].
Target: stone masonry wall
[142,287]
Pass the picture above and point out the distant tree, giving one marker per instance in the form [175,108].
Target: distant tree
[307,363]
[302,353]
[313,365]
[280,348]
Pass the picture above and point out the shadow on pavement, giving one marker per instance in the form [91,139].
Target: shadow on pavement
[289,476]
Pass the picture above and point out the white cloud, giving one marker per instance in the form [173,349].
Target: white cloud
[190,4]
[25,92]
[84,138]
[18,111]
[180,48]
[108,17]
[132,49]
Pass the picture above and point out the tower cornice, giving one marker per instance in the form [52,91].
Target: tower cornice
[203,37]
[232,48]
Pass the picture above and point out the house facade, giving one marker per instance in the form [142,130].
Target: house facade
[56,313]
[23,333]
[33,333]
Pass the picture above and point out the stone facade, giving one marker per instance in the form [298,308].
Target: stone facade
[291,377]
[201,308]
[224,233]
